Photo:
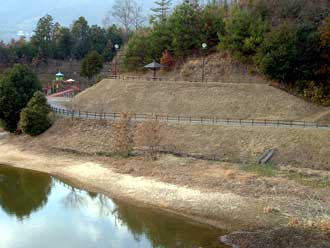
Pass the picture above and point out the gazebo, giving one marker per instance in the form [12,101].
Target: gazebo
[154,66]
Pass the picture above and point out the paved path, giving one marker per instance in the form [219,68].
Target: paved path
[58,106]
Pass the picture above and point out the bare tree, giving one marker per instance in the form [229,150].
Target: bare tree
[138,17]
[123,11]
[148,137]
[123,136]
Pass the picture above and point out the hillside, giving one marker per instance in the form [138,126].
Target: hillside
[223,100]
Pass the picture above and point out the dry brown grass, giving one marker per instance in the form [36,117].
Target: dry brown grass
[190,99]
[298,147]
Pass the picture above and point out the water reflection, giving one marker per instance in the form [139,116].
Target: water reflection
[22,192]
[75,218]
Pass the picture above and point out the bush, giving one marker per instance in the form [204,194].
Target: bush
[277,54]
[92,65]
[138,53]
[243,33]
[148,136]
[17,87]
[123,136]
[35,117]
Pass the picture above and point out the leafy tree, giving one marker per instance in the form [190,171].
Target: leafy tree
[213,23]
[63,44]
[138,51]
[23,50]
[98,38]
[161,11]
[160,39]
[81,38]
[42,38]
[92,65]
[243,33]
[185,25]
[35,117]
[277,54]
[17,87]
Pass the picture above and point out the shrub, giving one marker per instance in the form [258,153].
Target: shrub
[35,117]
[92,65]
[167,60]
[148,136]
[243,33]
[123,136]
[277,54]
[17,87]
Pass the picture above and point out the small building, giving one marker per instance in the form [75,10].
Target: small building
[59,76]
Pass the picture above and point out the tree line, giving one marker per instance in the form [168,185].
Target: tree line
[53,41]
[288,41]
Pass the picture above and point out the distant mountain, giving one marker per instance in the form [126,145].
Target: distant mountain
[18,15]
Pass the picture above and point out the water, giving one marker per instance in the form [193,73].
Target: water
[38,211]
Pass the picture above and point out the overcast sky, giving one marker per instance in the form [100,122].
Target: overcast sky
[22,15]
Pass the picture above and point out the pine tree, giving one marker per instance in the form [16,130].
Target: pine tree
[35,117]
[161,11]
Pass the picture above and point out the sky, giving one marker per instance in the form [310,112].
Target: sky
[22,15]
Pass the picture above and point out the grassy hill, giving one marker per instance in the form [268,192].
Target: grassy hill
[221,100]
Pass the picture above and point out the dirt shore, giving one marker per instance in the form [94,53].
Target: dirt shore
[224,195]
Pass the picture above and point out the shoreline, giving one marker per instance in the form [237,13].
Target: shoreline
[220,210]
[245,216]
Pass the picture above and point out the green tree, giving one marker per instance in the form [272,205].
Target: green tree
[243,33]
[17,87]
[213,23]
[42,39]
[277,54]
[92,65]
[81,38]
[63,44]
[34,119]
[161,11]
[138,51]
[98,38]
[185,25]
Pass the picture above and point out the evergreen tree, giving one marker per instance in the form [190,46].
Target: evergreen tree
[35,117]
[81,38]
[16,89]
[92,65]
[161,11]
[42,38]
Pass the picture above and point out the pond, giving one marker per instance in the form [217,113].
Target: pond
[37,211]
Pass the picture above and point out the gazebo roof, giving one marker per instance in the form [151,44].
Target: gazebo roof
[153,65]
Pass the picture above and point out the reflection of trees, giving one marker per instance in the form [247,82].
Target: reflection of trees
[23,192]
[165,231]
[74,200]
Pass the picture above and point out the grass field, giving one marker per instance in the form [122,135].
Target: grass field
[258,101]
